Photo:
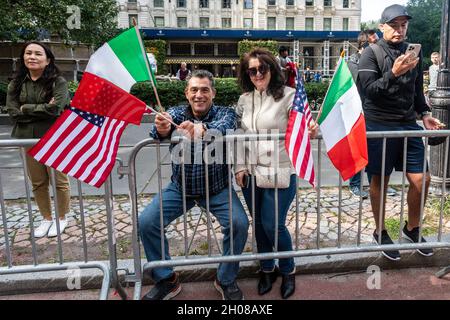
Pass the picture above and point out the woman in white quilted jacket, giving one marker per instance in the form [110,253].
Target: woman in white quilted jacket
[264,108]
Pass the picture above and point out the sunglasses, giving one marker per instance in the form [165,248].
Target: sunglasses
[262,69]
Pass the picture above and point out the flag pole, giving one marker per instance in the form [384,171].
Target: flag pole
[148,66]
[159,113]
[328,90]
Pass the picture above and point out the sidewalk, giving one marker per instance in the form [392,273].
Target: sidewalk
[96,226]
[404,284]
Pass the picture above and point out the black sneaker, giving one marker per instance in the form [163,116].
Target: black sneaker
[393,255]
[229,292]
[413,236]
[165,289]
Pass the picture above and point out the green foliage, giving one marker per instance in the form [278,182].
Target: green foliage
[425,27]
[245,46]
[372,24]
[171,93]
[158,48]
[27,19]
[392,227]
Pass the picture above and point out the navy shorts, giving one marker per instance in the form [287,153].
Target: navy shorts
[394,150]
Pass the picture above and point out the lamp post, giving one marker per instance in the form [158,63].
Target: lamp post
[440,100]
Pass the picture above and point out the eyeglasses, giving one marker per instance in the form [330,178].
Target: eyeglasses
[262,69]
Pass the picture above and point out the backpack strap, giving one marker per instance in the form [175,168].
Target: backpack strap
[379,54]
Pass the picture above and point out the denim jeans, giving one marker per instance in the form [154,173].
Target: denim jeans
[149,228]
[265,222]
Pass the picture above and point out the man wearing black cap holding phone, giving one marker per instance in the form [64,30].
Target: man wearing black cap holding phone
[391,84]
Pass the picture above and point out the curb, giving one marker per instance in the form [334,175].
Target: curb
[341,263]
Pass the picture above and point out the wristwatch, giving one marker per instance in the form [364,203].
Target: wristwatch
[425,113]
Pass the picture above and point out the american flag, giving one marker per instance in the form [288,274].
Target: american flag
[81,144]
[297,141]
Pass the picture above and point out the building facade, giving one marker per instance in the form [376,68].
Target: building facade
[321,27]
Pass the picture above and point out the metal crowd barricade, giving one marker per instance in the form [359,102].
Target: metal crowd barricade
[187,260]
[110,277]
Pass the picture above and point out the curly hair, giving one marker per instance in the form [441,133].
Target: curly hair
[276,85]
[51,72]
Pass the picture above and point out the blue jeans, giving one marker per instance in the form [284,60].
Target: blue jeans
[265,223]
[149,228]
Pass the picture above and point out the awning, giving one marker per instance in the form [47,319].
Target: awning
[201,60]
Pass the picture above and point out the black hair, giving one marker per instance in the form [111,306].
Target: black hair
[51,72]
[276,85]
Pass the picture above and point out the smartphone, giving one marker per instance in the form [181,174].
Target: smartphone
[414,50]
[246,180]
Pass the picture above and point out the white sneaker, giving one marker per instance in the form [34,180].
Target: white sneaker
[42,230]
[53,231]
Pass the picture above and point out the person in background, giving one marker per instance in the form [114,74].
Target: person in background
[183,72]
[36,97]
[433,71]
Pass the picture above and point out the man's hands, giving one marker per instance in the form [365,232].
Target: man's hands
[192,130]
[431,123]
[163,126]
[313,129]
[188,128]
[403,64]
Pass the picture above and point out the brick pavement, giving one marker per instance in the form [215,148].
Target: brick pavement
[96,226]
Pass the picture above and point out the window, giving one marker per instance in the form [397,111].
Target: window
[327,24]
[180,49]
[226,4]
[248,4]
[309,3]
[181,3]
[227,49]
[327,3]
[345,4]
[271,2]
[290,23]
[158,3]
[182,22]
[271,23]
[309,24]
[130,19]
[159,21]
[248,23]
[345,24]
[226,23]
[204,4]
[204,22]
[289,2]
[204,49]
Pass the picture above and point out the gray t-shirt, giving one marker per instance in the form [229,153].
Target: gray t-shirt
[433,72]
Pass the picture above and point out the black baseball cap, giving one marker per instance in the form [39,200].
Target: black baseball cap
[392,12]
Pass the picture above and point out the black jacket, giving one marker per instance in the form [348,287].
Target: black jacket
[386,98]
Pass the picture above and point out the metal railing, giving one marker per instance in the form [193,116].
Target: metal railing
[130,170]
[110,272]
[109,278]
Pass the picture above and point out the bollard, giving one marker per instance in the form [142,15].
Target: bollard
[440,102]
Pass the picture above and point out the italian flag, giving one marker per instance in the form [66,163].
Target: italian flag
[342,124]
[111,72]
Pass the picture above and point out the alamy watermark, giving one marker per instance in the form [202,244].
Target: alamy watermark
[74,20]
[374,280]
[74,278]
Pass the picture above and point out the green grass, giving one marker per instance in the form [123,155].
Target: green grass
[435,205]
[392,227]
